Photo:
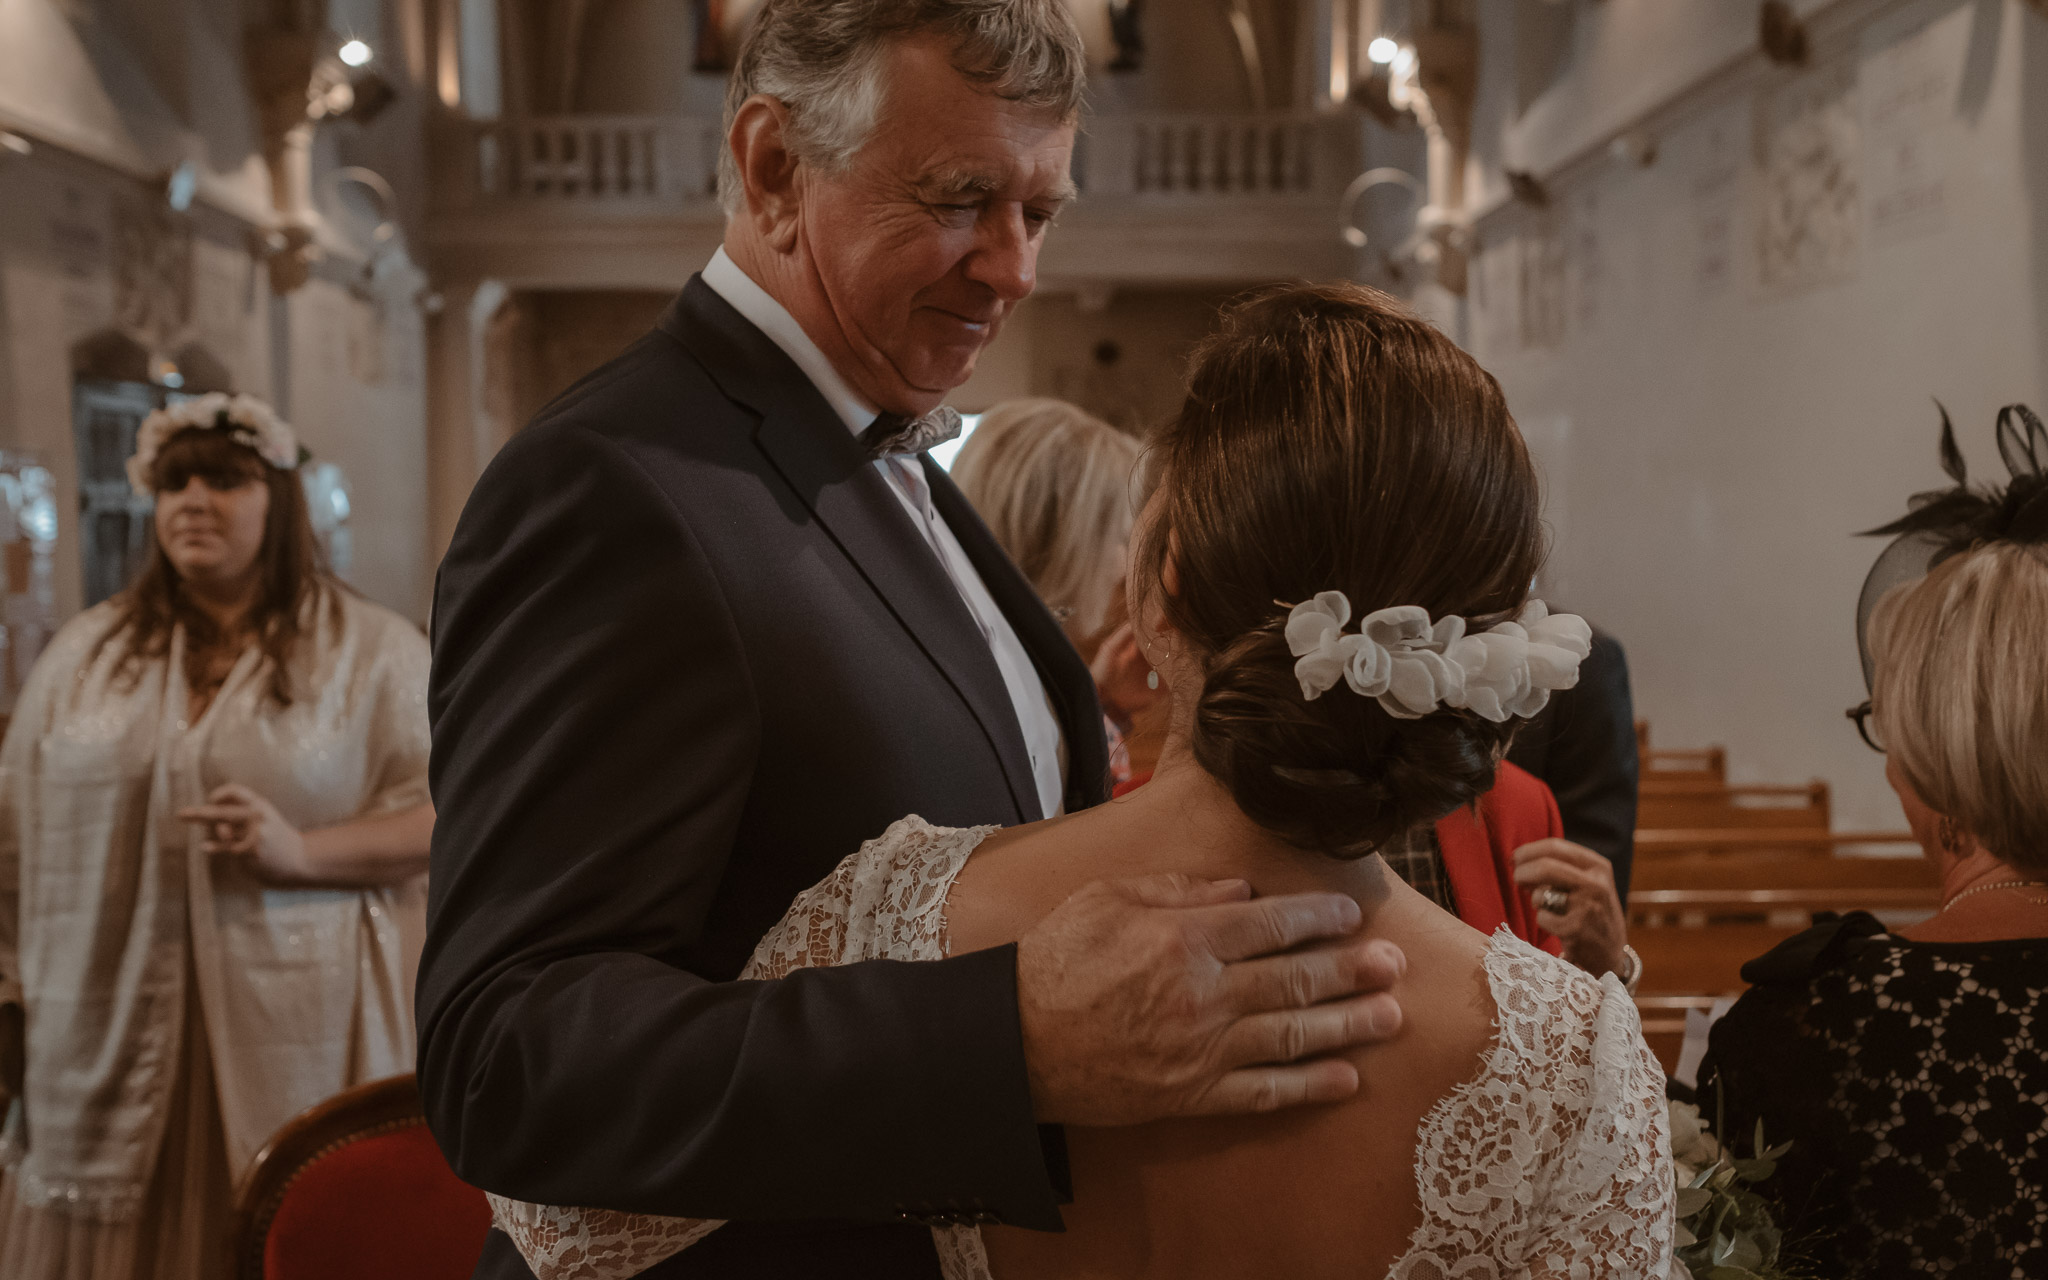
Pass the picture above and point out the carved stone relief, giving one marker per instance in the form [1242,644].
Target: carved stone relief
[1808,158]
[152,272]
[366,338]
[77,239]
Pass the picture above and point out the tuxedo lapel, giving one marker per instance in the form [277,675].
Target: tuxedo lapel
[811,448]
[1065,676]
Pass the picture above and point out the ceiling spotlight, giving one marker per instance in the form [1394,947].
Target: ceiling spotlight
[355,53]
[1382,50]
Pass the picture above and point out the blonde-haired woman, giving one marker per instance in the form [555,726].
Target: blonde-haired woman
[1909,1067]
[213,832]
[1055,485]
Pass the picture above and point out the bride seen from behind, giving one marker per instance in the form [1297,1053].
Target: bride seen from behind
[1333,441]
[1339,470]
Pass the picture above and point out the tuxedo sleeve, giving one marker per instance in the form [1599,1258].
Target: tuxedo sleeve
[594,731]
[1591,765]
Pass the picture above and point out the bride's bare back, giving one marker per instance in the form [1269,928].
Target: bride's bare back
[1550,1162]
[1318,1191]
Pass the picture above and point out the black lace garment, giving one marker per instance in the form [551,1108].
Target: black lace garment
[1910,1079]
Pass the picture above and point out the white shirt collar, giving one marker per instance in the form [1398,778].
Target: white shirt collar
[762,311]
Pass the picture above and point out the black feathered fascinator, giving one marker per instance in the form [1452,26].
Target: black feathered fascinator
[1945,522]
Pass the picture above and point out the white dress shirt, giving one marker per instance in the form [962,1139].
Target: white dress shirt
[1035,715]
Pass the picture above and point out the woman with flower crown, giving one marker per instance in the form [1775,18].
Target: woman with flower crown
[213,832]
[1332,573]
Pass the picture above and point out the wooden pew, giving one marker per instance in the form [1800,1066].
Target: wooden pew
[1724,873]
[1651,844]
[1705,765]
[1694,940]
[1766,871]
[1743,806]
[1679,784]
[1678,766]
[1657,911]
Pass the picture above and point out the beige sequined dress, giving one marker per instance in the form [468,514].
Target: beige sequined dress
[178,1011]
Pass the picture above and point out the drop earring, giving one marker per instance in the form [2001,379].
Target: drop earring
[1151,679]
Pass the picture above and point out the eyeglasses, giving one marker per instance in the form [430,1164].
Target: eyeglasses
[1866,726]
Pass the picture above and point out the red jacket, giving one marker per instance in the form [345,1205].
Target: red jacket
[1479,852]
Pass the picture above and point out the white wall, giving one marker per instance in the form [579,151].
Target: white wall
[1717,411]
[1585,69]
[637,59]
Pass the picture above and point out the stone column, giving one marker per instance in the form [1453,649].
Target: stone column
[461,433]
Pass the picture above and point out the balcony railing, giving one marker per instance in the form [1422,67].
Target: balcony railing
[596,160]
[1211,156]
[592,162]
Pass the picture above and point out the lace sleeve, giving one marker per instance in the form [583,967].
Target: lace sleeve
[1553,1161]
[1610,1200]
[885,902]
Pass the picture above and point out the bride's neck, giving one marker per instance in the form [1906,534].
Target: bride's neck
[1188,809]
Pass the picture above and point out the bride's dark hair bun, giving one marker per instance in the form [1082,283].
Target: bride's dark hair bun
[1333,440]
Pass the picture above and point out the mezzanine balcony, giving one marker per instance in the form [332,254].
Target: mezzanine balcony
[630,201]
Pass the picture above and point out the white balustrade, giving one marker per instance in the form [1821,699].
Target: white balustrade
[598,159]
[627,160]
[1220,157]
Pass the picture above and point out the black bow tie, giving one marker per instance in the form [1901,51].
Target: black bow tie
[892,433]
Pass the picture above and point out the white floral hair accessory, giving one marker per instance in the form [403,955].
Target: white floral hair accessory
[247,420]
[1413,666]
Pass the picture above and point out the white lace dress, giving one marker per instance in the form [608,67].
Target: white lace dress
[1554,1159]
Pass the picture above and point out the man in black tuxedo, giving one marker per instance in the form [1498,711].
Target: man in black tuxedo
[703,629]
[1583,746]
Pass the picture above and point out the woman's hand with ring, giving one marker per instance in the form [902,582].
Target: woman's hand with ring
[238,821]
[1573,888]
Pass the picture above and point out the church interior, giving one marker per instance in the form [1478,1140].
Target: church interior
[1732,263]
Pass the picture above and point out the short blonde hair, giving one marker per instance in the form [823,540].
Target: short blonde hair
[1054,484]
[1961,694]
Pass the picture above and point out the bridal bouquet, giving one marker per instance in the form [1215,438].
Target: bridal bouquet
[1725,1230]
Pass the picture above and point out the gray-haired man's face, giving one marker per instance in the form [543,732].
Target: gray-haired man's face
[922,247]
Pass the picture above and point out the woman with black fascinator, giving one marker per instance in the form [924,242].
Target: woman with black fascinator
[1906,1066]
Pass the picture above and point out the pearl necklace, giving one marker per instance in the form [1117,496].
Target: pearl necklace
[2002,884]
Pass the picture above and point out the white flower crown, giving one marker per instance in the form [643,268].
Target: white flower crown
[248,421]
[1413,666]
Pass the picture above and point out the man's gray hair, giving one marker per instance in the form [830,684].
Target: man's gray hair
[824,59]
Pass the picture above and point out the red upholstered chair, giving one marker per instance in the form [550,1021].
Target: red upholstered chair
[355,1189]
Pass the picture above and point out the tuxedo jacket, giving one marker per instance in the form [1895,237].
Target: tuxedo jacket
[1583,747]
[689,653]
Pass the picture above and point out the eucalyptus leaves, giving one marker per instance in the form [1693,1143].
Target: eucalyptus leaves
[1725,1229]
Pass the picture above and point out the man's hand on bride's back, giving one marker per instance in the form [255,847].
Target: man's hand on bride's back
[1171,996]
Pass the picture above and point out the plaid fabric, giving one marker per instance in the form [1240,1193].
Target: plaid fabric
[1416,858]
